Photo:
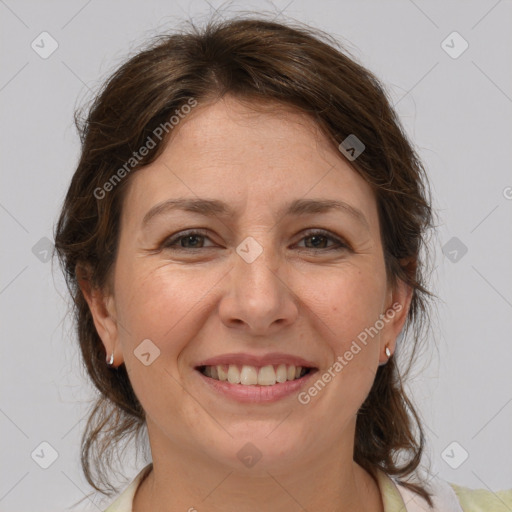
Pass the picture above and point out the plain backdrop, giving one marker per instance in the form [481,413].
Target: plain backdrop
[456,106]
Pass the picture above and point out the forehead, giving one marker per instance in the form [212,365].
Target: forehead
[247,157]
[239,130]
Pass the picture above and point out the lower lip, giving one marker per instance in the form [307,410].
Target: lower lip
[255,393]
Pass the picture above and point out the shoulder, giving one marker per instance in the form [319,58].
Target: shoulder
[446,497]
[124,502]
[480,500]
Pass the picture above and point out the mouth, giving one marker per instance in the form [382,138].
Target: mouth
[249,375]
[252,378]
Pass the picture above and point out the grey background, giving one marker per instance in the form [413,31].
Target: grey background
[458,113]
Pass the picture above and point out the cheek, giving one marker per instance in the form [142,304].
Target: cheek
[350,307]
[355,308]
[160,303]
[348,301]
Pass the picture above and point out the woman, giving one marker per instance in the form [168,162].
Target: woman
[242,240]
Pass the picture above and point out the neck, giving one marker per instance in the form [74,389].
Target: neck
[184,480]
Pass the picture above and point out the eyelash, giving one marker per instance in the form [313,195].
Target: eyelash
[169,243]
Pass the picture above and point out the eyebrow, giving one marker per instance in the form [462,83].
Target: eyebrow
[214,207]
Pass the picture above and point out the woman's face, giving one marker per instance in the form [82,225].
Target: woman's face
[265,274]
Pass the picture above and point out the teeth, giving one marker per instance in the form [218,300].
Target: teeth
[248,375]
[221,373]
[233,374]
[251,375]
[267,376]
[281,373]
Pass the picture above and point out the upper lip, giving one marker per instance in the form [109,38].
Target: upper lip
[253,360]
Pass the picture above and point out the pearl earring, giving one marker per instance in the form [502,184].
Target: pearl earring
[388,353]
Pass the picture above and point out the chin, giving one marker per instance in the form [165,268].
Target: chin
[259,449]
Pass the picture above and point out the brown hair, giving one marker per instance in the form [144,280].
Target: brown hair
[257,61]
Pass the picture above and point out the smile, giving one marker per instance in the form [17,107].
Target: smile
[253,384]
[248,375]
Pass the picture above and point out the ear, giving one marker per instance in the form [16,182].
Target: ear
[102,306]
[395,315]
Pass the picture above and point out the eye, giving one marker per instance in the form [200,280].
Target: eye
[194,239]
[319,238]
[187,240]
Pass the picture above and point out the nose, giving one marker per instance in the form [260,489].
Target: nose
[259,298]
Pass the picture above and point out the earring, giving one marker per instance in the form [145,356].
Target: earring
[110,360]
[388,353]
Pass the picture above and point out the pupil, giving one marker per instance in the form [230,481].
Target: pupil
[191,237]
[318,238]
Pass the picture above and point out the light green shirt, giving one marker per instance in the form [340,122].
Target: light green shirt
[394,498]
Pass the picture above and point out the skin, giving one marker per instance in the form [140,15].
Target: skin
[296,297]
